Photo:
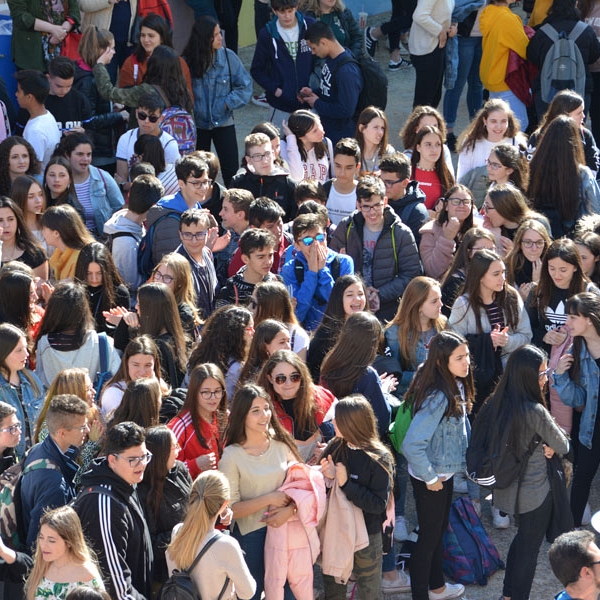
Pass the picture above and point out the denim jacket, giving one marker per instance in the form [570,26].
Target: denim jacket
[32,402]
[581,395]
[105,196]
[225,86]
[435,443]
[391,338]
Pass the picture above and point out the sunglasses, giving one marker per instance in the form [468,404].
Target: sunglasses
[293,377]
[307,241]
[142,116]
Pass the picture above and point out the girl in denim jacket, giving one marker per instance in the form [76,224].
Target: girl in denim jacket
[440,396]
[577,381]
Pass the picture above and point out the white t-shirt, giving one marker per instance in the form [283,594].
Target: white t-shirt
[339,205]
[290,38]
[43,134]
[128,139]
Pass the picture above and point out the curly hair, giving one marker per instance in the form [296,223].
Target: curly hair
[411,126]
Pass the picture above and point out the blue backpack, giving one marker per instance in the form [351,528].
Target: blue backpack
[469,554]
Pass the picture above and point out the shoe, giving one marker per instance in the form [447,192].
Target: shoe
[460,484]
[370,43]
[401,64]
[452,590]
[587,515]
[260,100]
[500,522]
[400,530]
[451,141]
[398,585]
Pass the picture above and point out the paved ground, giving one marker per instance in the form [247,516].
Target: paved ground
[401,84]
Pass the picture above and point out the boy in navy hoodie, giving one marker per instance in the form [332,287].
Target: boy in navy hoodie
[341,83]
[282,60]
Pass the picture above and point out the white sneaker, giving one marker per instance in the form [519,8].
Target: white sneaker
[452,590]
[396,586]
[260,100]
[400,529]
[587,515]
[500,522]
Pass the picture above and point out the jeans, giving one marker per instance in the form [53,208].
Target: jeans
[225,142]
[469,57]
[253,546]
[516,105]
[433,510]
[367,570]
[524,549]
[430,74]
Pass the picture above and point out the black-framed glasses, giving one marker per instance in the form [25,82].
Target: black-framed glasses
[459,201]
[134,461]
[308,240]
[487,207]
[188,236]
[493,165]
[208,394]
[531,243]
[158,276]
[389,184]
[142,116]
[259,157]
[544,373]
[12,429]
[367,208]
[293,377]
[252,304]
[205,183]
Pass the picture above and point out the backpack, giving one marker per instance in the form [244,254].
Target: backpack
[469,554]
[490,462]
[12,528]
[398,429]
[180,585]
[104,374]
[563,66]
[109,238]
[144,259]
[180,124]
[4,122]
[374,91]
[334,266]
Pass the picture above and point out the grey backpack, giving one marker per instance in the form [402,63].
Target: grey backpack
[563,66]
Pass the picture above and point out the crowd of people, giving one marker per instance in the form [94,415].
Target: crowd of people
[201,356]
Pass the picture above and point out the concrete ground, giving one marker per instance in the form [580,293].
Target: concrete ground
[400,94]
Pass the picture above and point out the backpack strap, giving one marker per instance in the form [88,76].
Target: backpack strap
[162,95]
[550,32]
[299,271]
[579,28]
[104,352]
[202,552]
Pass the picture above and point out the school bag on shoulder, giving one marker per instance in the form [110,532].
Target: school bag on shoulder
[12,529]
[374,91]
[144,259]
[104,374]
[335,267]
[180,124]
[181,586]
[469,554]
[563,66]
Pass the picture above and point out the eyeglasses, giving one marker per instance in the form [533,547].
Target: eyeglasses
[83,428]
[459,201]
[543,374]
[252,303]
[389,184]
[367,208]
[293,377]
[142,116]
[136,460]
[531,243]
[204,183]
[260,157]
[188,236]
[12,429]
[493,165]
[487,207]
[308,240]
[158,276]
[207,394]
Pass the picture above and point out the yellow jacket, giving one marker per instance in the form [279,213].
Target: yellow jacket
[502,31]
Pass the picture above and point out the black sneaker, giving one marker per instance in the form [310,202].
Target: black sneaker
[451,141]
[370,43]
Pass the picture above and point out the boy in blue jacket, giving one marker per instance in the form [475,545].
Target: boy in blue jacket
[282,60]
[313,271]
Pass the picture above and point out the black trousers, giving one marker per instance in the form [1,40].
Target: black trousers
[429,69]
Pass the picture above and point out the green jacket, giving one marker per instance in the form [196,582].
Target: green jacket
[27,52]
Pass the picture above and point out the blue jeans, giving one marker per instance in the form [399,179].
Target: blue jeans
[253,546]
[469,57]
[516,105]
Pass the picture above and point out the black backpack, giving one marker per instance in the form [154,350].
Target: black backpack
[180,585]
[334,266]
[144,258]
[374,91]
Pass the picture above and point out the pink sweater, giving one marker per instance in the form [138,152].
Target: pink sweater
[436,250]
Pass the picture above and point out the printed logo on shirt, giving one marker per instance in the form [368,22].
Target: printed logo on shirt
[69,125]
[556,317]
[310,171]
[326,81]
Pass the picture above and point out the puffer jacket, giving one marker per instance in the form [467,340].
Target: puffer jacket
[395,260]
[225,86]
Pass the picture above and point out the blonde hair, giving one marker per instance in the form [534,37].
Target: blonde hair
[210,491]
[93,43]
[65,522]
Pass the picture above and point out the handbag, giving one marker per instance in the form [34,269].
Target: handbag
[562,517]
[70,45]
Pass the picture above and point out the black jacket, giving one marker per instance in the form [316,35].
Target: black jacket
[114,520]
[176,491]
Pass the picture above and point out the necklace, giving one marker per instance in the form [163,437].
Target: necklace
[423,168]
